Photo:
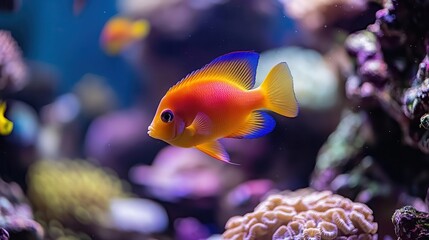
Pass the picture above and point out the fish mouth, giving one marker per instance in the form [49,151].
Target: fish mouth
[151,131]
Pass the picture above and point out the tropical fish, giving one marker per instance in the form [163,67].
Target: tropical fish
[6,126]
[220,101]
[120,32]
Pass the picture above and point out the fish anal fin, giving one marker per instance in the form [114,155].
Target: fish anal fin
[201,124]
[238,68]
[215,150]
[258,124]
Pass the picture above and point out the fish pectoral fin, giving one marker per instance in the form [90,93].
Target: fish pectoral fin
[201,125]
[215,150]
[258,124]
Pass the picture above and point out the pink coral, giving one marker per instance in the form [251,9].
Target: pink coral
[314,15]
[304,214]
[13,71]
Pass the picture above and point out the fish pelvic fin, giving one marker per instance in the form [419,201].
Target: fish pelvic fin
[258,124]
[216,150]
[278,91]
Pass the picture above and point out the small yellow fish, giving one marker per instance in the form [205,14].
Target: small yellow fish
[120,32]
[219,101]
[6,126]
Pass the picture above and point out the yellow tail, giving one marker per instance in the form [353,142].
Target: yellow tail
[278,91]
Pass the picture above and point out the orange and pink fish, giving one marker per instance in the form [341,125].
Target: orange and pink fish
[220,101]
[120,32]
[6,126]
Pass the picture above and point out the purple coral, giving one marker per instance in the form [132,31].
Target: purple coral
[4,235]
[13,71]
[387,55]
[386,140]
[16,216]
[411,224]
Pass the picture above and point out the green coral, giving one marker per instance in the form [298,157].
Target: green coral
[73,191]
[344,143]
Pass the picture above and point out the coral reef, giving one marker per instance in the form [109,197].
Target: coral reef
[16,217]
[178,173]
[13,71]
[378,154]
[411,224]
[72,190]
[56,231]
[315,15]
[74,199]
[304,214]
[4,235]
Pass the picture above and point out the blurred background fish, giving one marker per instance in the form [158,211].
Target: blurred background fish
[120,32]
[78,6]
[6,126]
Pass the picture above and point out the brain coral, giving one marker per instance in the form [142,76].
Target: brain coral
[304,214]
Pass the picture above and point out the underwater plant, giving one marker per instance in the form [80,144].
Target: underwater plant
[16,217]
[379,153]
[304,214]
[411,224]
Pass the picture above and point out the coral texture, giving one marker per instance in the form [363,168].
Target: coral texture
[389,139]
[72,190]
[13,71]
[4,235]
[16,217]
[304,214]
[316,14]
[411,224]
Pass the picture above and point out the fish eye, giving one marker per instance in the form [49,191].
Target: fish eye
[167,116]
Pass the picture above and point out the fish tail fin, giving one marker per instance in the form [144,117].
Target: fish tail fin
[278,91]
[6,126]
[140,28]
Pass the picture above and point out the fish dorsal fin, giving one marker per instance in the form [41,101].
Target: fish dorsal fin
[216,150]
[258,124]
[236,67]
